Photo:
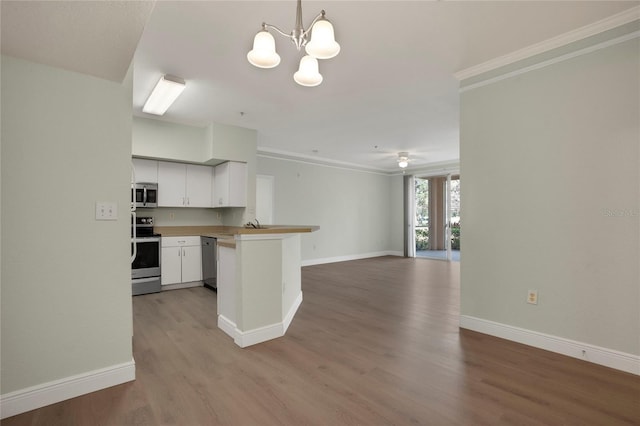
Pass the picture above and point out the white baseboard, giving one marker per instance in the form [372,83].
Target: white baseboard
[584,351]
[258,335]
[179,286]
[226,325]
[292,312]
[38,396]
[322,261]
[262,334]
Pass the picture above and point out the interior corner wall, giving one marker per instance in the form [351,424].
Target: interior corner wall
[551,194]
[351,207]
[66,285]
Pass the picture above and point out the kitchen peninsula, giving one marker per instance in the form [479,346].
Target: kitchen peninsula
[259,279]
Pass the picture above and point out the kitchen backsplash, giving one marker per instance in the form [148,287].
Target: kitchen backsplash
[182,216]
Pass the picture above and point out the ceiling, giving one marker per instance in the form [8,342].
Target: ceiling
[391,88]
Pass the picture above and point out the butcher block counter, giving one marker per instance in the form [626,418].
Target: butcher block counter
[259,277]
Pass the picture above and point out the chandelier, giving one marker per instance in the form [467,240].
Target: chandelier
[318,42]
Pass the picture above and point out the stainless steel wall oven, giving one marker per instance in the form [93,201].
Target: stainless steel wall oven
[145,269]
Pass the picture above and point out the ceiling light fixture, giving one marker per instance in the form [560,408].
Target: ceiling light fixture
[320,45]
[163,95]
[403,159]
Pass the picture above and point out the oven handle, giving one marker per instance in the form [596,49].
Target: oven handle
[144,196]
[133,239]
[144,280]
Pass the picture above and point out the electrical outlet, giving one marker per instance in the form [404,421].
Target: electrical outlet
[172,216]
[219,215]
[532,297]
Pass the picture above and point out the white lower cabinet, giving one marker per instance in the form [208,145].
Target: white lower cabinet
[181,260]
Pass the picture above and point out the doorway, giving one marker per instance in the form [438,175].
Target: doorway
[437,217]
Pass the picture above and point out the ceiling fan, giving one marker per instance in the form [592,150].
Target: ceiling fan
[403,158]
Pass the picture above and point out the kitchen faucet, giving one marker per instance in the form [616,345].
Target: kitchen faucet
[254,225]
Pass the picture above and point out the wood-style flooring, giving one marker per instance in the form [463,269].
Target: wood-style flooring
[375,342]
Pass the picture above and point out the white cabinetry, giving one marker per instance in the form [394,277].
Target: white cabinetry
[181,260]
[184,185]
[230,185]
[146,170]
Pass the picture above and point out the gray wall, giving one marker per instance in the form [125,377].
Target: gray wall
[352,208]
[66,288]
[550,184]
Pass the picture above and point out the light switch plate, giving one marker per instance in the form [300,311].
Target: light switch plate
[106,210]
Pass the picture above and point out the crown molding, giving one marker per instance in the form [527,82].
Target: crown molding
[555,60]
[449,166]
[280,154]
[597,27]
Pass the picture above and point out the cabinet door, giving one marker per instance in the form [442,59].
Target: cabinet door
[191,263]
[237,184]
[230,180]
[221,185]
[171,184]
[171,265]
[146,170]
[198,186]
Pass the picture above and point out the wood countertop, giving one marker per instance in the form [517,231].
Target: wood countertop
[223,232]
[227,242]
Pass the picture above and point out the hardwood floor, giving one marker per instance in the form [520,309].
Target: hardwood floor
[375,342]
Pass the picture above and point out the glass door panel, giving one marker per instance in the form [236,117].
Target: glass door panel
[437,217]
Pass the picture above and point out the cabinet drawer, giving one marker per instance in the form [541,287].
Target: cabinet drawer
[180,241]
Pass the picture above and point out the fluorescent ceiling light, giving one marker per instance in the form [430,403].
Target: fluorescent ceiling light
[163,95]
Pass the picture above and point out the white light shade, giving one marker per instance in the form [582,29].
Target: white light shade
[264,53]
[403,163]
[163,95]
[322,44]
[307,74]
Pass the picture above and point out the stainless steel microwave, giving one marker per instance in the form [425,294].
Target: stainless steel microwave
[145,194]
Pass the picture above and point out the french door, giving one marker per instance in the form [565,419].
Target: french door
[435,217]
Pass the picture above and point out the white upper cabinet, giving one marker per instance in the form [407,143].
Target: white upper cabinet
[172,180]
[199,186]
[146,170]
[230,185]
[184,185]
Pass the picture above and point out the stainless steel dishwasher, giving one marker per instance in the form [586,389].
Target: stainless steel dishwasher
[209,263]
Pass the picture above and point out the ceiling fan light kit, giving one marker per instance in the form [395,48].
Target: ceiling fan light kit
[403,159]
[319,43]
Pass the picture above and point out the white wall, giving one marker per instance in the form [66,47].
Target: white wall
[352,208]
[546,158]
[396,218]
[66,287]
[169,141]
